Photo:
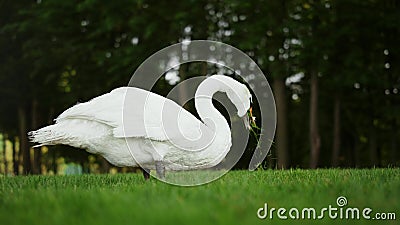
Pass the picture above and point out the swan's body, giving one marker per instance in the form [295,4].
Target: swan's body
[134,127]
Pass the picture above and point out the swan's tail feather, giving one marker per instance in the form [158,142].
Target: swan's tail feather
[46,136]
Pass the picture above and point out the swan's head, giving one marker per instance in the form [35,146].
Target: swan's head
[237,93]
[241,98]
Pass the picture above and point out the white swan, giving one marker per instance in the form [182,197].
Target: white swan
[131,127]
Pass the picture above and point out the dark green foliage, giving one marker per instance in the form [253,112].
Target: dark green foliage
[57,53]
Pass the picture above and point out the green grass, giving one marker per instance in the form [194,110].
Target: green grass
[233,199]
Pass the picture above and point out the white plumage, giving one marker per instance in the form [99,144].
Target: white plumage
[134,127]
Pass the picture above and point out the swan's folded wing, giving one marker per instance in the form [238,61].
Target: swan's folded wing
[134,112]
[103,109]
[140,115]
[160,119]
[112,109]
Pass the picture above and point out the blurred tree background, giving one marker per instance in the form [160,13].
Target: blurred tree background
[333,66]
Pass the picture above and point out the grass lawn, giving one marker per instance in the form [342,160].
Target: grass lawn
[233,199]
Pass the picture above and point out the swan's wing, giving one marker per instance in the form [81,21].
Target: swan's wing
[134,112]
[157,118]
[105,109]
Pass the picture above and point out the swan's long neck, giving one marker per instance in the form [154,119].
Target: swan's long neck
[210,116]
[206,110]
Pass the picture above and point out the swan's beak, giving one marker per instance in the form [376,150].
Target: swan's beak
[252,118]
[246,121]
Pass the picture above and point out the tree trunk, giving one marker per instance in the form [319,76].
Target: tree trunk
[105,166]
[183,95]
[204,69]
[336,132]
[20,157]
[281,132]
[5,154]
[23,141]
[373,146]
[54,163]
[357,158]
[15,157]
[315,141]
[37,154]
[393,146]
